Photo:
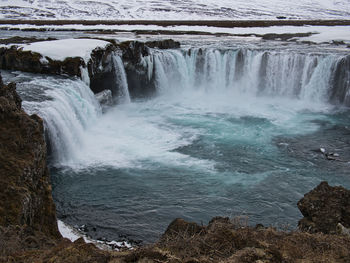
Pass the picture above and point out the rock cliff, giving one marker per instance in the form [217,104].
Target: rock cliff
[26,204]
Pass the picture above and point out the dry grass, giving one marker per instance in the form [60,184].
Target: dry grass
[225,240]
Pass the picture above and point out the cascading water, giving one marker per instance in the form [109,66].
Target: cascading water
[123,95]
[244,71]
[67,106]
[223,128]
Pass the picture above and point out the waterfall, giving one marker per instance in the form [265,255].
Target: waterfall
[67,107]
[320,77]
[123,95]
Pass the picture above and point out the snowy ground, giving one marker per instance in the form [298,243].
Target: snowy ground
[320,34]
[61,49]
[174,10]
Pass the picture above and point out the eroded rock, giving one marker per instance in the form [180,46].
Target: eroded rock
[323,208]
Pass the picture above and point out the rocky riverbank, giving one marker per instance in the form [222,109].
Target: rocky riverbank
[28,226]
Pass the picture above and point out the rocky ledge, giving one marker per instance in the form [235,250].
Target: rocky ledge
[28,227]
[100,66]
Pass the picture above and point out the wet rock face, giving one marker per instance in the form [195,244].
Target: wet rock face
[323,208]
[133,53]
[25,196]
[101,70]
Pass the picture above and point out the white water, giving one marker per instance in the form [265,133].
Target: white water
[70,109]
[123,95]
[305,77]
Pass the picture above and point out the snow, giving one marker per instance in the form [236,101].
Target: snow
[67,232]
[72,234]
[61,49]
[328,34]
[320,33]
[173,10]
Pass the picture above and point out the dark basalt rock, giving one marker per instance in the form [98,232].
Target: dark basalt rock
[140,85]
[323,208]
[163,44]
[14,58]
[23,40]
[138,81]
[101,70]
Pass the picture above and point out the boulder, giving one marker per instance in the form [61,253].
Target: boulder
[105,98]
[323,208]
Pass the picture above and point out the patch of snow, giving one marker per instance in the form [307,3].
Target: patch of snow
[72,234]
[67,231]
[328,34]
[62,49]
[43,60]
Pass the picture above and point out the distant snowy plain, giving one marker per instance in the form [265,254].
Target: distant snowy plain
[174,9]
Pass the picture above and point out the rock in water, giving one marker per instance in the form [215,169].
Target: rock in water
[105,98]
[323,208]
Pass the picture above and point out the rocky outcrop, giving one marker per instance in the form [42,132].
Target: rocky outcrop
[26,205]
[13,58]
[133,54]
[323,208]
[100,68]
